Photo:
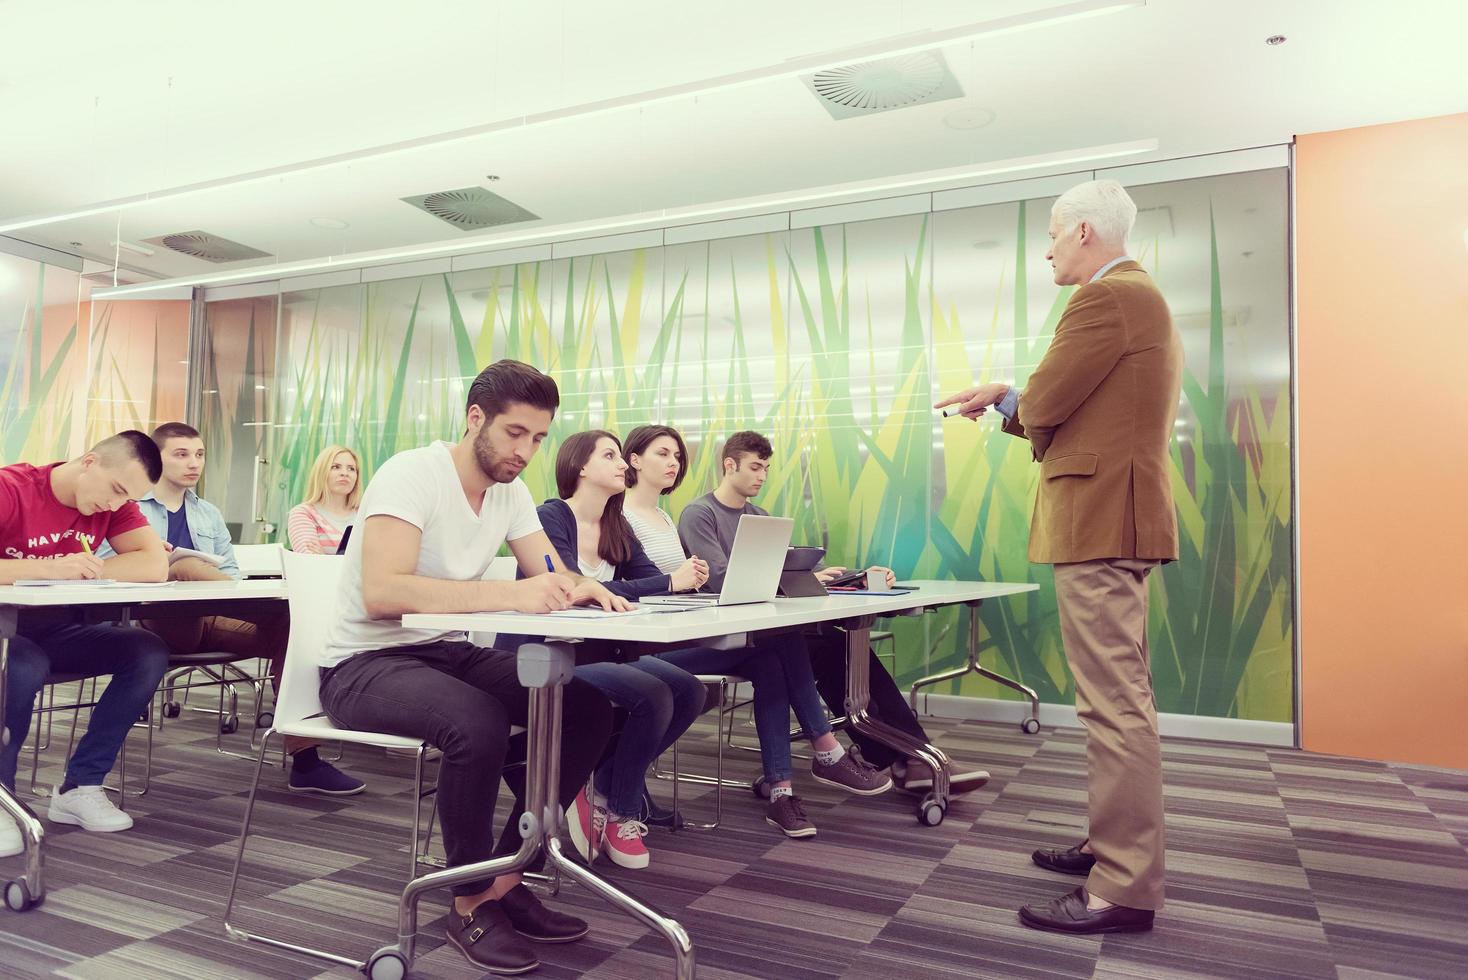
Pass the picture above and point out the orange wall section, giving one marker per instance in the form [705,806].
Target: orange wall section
[1382,276]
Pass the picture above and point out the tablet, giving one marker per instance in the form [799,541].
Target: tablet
[801,559]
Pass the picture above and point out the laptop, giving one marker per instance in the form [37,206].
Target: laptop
[754,566]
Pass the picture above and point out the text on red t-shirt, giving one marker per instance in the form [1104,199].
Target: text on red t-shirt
[34,524]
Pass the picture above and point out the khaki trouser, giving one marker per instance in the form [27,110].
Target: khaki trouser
[1103,622]
[252,629]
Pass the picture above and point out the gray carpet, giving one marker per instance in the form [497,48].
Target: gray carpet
[1280,864]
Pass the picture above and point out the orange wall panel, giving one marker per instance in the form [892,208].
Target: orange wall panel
[1382,319]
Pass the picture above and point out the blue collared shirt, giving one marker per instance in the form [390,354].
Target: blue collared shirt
[206,527]
[1009,404]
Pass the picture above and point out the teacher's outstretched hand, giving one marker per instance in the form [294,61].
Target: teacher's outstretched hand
[973,402]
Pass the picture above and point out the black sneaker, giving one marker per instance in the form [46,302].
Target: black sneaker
[489,941]
[534,921]
[786,814]
[324,779]
[655,815]
[852,775]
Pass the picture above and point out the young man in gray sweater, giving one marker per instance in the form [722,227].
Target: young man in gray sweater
[706,528]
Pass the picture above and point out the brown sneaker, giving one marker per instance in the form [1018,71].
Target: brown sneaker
[917,779]
[786,814]
[852,775]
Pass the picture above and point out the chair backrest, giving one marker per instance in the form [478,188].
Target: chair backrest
[259,560]
[501,569]
[312,583]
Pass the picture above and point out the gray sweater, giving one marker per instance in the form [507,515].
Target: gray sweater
[706,528]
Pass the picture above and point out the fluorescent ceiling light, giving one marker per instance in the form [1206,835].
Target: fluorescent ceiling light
[836,193]
[883,48]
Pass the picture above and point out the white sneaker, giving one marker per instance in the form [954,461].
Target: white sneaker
[89,808]
[10,841]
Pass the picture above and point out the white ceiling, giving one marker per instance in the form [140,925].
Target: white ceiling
[105,101]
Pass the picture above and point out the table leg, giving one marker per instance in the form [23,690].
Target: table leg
[544,668]
[29,890]
[1030,725]
[858,699]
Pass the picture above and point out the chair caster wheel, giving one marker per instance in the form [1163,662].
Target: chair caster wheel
[18,896]
[386,964]
[172,709]
[1030,726]
[761,788]
[265,719]
[930,811]
[229,726]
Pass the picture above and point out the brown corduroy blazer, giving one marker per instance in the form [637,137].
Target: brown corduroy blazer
[1098,411]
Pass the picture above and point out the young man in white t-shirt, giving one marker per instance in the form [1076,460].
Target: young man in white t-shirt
[430,523]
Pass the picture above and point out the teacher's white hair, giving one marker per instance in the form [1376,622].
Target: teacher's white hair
[1102,204]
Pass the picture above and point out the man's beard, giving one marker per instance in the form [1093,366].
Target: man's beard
[496,467]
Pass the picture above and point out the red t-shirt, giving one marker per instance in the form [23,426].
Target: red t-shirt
[34,524]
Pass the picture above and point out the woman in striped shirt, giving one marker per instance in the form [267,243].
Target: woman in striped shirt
[333,491]
[656,461]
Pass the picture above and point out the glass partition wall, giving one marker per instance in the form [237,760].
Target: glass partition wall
[834,341]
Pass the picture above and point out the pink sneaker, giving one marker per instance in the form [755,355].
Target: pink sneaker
[623,843]
[588,826]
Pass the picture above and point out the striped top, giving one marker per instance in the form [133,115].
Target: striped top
[313,531]
[660,540]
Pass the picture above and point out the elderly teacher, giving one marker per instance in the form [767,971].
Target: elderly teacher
[1098,411]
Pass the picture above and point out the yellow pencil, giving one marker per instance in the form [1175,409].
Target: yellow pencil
[85,546]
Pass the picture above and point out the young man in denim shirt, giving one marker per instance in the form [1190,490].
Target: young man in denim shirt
[183,519]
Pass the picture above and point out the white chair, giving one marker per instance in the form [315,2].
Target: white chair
[501,569]
[312,585]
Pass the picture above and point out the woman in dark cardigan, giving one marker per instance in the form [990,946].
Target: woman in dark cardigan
[588,530]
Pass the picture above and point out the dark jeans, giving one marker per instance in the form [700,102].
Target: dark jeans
[780,672]
[828,660]
[47,645]
[463,699]
[661,702]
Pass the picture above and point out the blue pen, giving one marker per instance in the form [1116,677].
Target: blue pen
[549,566]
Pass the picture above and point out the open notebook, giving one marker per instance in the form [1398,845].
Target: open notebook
[88,583]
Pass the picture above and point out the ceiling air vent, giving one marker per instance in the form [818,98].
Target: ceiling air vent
[471,208]
[210,248]
[869,87]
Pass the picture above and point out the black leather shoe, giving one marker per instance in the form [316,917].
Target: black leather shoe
[534,921]
[1069,914]
[1071,861]
[489,941]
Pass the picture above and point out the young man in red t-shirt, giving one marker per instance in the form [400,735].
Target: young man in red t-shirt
[51,520]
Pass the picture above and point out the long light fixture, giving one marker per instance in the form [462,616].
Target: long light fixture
[883,48]
[851,191]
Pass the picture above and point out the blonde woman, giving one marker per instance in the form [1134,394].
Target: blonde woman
[333,491]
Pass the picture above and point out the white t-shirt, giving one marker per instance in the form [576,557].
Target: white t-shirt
[422,487]
[602,571]
[659,540]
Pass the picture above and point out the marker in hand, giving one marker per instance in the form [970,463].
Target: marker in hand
[85,545]
[550,565]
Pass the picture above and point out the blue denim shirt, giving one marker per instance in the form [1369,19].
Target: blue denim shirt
[206,527]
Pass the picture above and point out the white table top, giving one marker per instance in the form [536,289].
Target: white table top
[681,626]
[83,594]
